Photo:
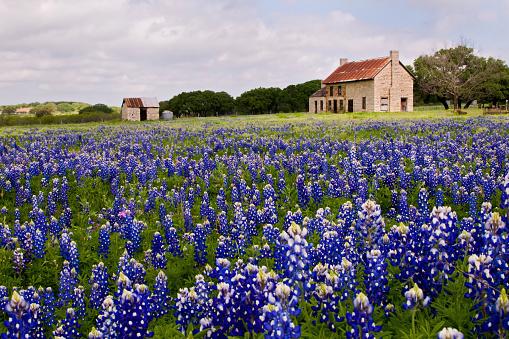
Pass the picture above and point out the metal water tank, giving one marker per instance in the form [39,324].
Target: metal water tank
[167,115]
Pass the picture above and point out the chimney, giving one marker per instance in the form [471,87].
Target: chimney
[395,57]
[342,61]
[394,64]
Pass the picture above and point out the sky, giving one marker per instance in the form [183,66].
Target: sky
[100,51]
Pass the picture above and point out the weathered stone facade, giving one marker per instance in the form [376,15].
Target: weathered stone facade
[374,85]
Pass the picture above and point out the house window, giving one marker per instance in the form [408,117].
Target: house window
[331,91]
[341,105]
[321,105]
[384,104]
[363,102]
[330,105]
[339,90]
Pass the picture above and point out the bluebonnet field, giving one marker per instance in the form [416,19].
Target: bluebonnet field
[282,230]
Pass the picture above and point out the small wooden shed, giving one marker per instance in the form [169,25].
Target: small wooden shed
[140,109]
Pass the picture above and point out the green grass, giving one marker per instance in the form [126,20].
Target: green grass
[279,118]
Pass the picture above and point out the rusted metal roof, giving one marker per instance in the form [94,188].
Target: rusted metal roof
[319,93]
[141,102]
[357,70]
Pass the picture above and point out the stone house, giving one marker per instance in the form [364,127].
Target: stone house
[140,109]
[374,85]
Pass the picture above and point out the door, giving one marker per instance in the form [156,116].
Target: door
[403,105]
[350,105]
[316,106]
[143,114]
[335,105]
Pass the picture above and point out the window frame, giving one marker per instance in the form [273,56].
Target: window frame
[382,105]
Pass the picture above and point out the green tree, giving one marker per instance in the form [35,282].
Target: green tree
[42,110]
[259,101]
[496,88]
[65,107]
[199,104]
[96,108]
[454,73]
[9,109]
[295,98]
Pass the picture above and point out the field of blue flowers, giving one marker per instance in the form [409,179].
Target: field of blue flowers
[393,229]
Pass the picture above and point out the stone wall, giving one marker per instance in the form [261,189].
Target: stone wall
[312,101]
[152,113]
[130,113]
[357,90]
[394,85]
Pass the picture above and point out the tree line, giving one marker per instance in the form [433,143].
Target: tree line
[293,98]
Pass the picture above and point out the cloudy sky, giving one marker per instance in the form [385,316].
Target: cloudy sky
[99,51]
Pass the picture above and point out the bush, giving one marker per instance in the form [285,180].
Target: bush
[60,119]
[97,108]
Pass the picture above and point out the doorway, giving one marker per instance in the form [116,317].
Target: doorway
[316,106]
[143,114]
[335,105]
[350,105]
[403,105]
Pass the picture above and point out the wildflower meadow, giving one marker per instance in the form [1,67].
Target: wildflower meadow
[301,228]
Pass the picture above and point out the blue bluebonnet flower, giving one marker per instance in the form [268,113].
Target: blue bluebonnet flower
[74,260]
[104,240]
[370,223]
[200,249]
[107,321]
[79,302]
[131,268]
[302,192]
[295,258]
[376,278]
[99,282]
[158,252]
[19,261]
[95,334]
[48,316]
[415,298]
[17,214]
[68,281]
[276,319]
[160,300]
[360,319]
[403,211]
[423,207]
[327,304]
[65,242]
[133,313]
[23,319]
[68,328]
[449,333]
[189,307]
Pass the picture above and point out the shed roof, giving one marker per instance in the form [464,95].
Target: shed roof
[357,70]
[141,102]
[319,93]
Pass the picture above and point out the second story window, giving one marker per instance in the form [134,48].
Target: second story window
[339,90]
[331,91]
